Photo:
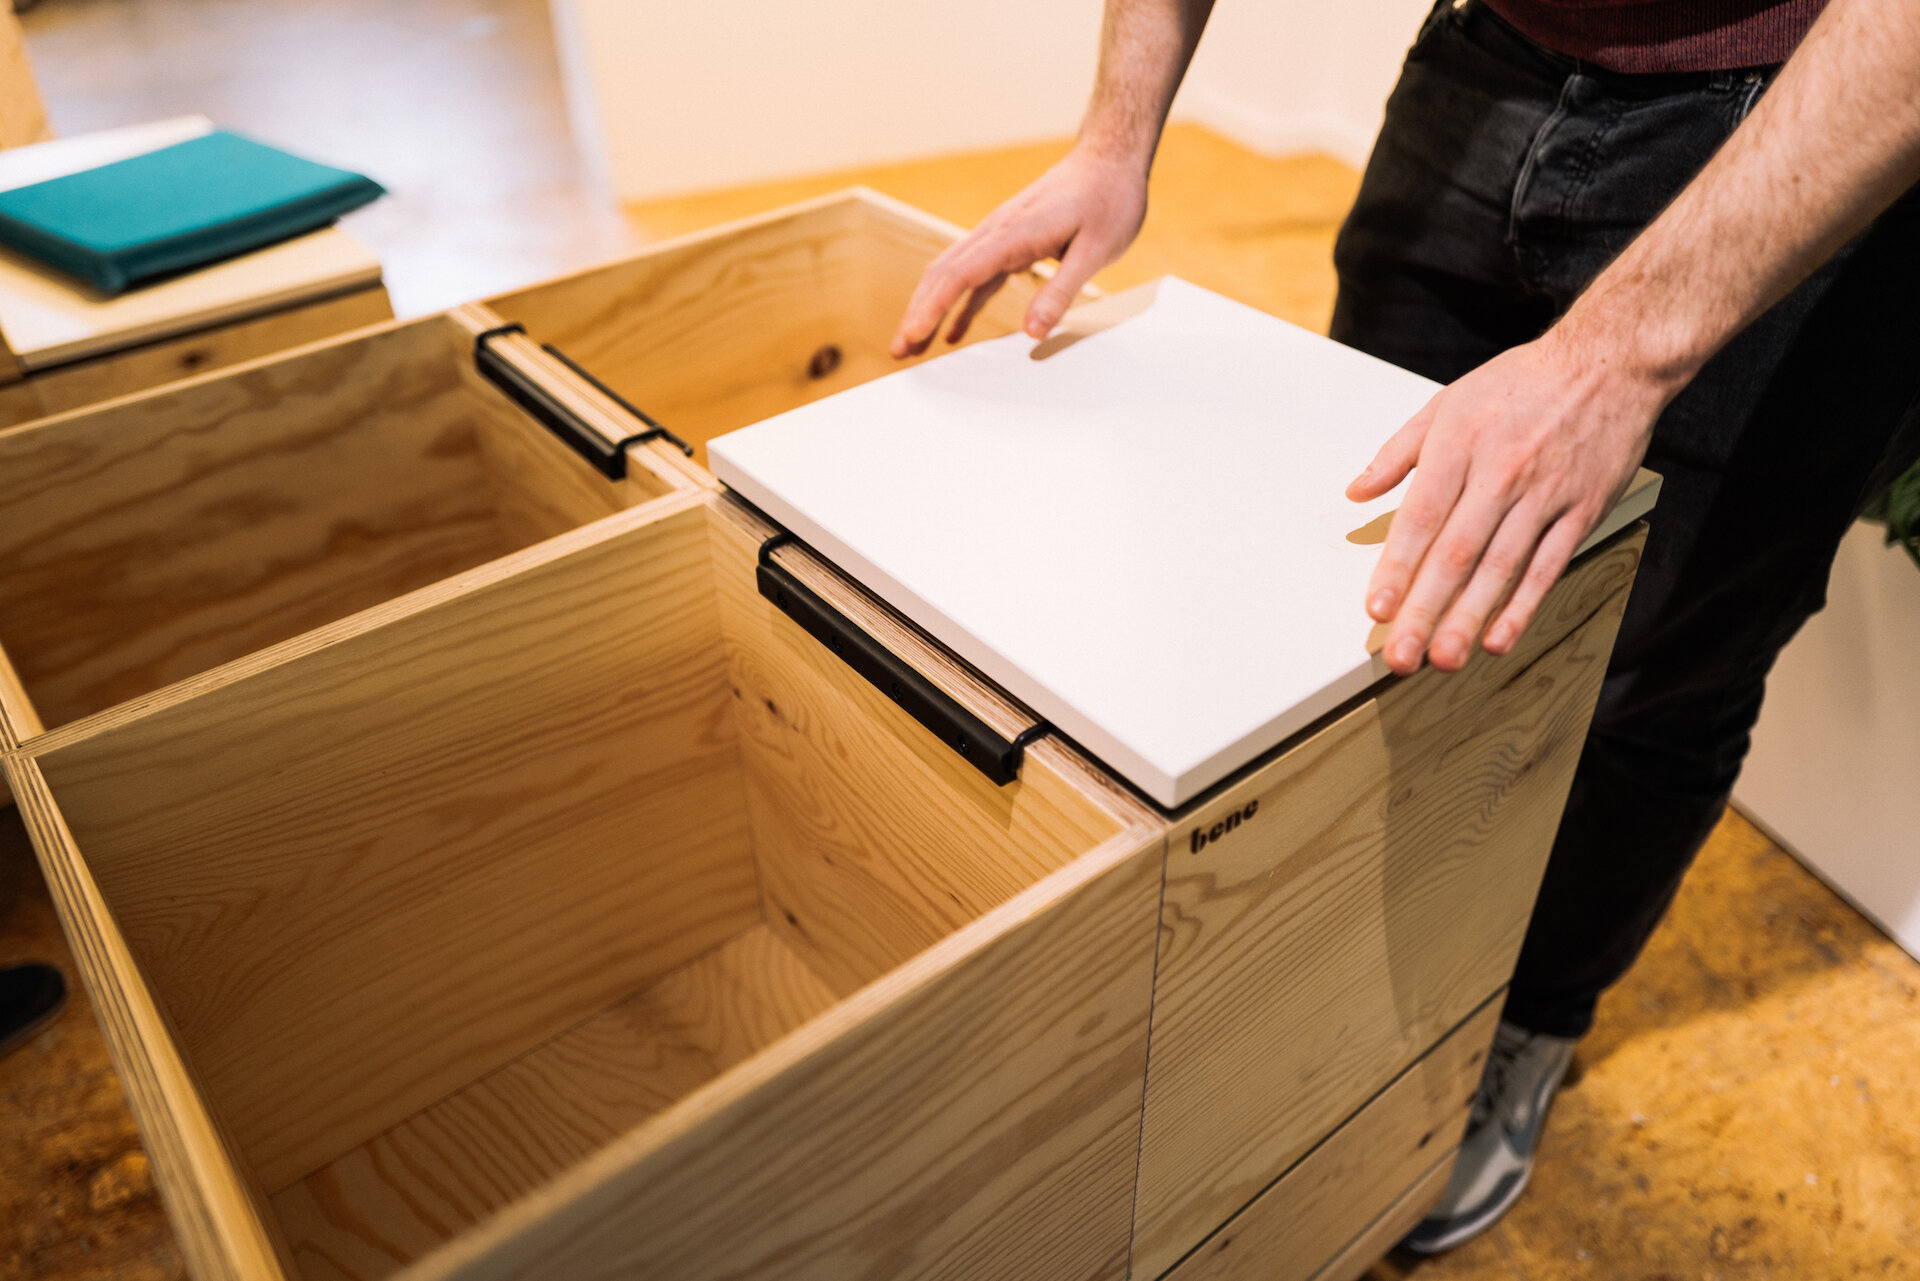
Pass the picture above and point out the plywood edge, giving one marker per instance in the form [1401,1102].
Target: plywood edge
[19,721]
[575,1193]
[385,614]
[217,1213]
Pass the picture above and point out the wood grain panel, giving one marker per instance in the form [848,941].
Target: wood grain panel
[154,538]
[404,851]
[974,1114]
[1360,1254]
[218,1213]
[1327,918]
[1305,1221]
[123,373]
[397,1197]
[872,837]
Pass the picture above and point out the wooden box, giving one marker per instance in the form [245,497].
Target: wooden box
[477,876]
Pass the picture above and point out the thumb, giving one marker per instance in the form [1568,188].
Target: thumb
[1396,458]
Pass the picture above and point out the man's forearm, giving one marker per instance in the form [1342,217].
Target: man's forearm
[1145,46]
[1835,141]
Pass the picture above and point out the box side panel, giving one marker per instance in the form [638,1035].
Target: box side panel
[972,1115]
[873,838]
[216,1207]
[365,875]
[1295,1228]
[1328,918]
[153,538]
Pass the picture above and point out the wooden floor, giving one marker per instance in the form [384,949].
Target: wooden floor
[1747,1107]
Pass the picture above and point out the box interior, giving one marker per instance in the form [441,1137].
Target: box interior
[461,899]
[162,536]
[159,537]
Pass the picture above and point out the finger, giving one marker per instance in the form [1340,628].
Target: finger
[1506,557]
[961,268]
[1449,563]
[1430,500]
[1395,459]
[1076,269]
[1549,561]
[978,299]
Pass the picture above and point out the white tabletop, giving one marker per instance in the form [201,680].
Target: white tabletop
[50,318]
[1143,535]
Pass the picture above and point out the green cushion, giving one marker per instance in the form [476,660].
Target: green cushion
[179,207]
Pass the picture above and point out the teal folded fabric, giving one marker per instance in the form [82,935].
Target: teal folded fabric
[179,207]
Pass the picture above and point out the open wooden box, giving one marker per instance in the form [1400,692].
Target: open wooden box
[478,877]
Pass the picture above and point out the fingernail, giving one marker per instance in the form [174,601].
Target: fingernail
[1381,604]
[1405,653]
[1501,636]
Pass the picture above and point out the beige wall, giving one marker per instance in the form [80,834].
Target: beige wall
[675,97]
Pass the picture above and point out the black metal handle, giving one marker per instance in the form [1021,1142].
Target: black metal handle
[988,751]
[609,457]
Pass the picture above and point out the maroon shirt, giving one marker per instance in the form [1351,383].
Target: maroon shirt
[1665,35]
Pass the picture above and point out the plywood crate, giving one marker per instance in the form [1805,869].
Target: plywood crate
[478,876]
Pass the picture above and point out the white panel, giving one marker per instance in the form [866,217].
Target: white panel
[1835,767]
[1144,535]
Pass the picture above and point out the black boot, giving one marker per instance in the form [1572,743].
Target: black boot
[30,995]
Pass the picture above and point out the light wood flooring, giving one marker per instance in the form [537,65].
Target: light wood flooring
[1749,1104]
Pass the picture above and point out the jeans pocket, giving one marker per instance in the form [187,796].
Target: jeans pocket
[1753,85]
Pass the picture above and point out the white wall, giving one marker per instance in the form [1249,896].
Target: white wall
[675,97]
[1283,76]
[1834,772]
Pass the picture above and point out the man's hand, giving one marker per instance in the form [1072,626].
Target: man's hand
[1519,460]
[1084,211]
[1516,464]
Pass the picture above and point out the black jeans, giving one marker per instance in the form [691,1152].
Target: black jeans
[1505,178]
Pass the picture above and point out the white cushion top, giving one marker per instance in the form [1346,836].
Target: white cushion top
[1143,535]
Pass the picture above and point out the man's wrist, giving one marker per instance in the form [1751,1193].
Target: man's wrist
[1644,353]
[1126,146]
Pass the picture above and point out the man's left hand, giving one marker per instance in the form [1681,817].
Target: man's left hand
[1513,466]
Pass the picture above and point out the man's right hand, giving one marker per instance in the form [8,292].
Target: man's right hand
[1084,211]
